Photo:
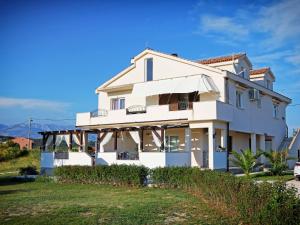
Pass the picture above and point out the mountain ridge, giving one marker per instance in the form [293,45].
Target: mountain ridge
[21,129]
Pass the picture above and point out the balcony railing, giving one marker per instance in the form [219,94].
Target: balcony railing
[128,156]
[135,109]
[99,112]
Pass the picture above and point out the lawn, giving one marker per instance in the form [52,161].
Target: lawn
[52,203]
[267,177]
[33,159]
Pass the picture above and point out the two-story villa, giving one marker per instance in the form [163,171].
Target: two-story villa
[164,110]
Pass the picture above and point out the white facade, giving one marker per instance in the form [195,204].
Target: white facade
[195,124]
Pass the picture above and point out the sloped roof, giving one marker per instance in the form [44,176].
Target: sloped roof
[221,58]
[261,71]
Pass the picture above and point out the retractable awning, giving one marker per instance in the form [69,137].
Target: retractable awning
[200,83]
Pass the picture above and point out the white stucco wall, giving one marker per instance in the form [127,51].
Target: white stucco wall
[75,158]
[148,159]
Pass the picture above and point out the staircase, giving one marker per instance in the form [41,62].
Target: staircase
[285,143]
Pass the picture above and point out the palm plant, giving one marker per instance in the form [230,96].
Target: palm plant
[278,161]
[246,160]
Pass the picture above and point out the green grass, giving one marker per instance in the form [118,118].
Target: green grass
[33,159]
[267,177]
[52,203]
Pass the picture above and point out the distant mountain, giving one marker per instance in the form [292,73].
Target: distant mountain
[21,129]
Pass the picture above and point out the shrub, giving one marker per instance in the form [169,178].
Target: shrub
[252,203]
[102,174]
[10,150]
[246,160]
[29,170]
[278,161]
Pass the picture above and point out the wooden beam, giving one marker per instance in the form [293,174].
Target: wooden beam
[162,139]
[141,133]
[43,142]
[81,140]
[45,138]
[156,134]
[70,143]
[100,139]
[116,141]
[54,140]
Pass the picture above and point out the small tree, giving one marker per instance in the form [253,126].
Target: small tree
[278,161]
[246,160]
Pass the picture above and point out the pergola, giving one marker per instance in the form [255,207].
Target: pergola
[102,132]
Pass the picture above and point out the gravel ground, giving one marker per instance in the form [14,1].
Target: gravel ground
[294,183]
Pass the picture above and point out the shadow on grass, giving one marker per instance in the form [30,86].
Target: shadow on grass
[4,181]
[7,192]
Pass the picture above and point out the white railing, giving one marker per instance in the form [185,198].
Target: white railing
[99,112]
[209,110]
[153,113]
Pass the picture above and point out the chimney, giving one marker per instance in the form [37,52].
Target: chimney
[174,54]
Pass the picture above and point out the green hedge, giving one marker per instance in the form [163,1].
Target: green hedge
[251,203]
[114,174]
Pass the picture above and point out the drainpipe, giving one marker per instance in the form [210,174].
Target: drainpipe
[227,147]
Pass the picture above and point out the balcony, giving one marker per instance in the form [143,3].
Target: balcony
[151,113]
[209,110]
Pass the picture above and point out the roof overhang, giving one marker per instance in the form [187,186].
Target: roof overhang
[263,89]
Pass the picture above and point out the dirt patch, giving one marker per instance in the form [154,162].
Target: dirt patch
[175,218]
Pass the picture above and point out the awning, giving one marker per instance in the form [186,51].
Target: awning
[200,83]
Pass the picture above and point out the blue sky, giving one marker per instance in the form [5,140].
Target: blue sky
[53,54]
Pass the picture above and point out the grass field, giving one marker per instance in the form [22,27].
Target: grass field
[52,203]
[33,159]
[267,177]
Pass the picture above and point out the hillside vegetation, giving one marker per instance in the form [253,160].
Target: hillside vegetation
[13,165]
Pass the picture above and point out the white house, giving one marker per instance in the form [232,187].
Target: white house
[164,110]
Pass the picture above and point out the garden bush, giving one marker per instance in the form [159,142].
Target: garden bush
[250,202]
[10,150]
[102,174]
[28,170]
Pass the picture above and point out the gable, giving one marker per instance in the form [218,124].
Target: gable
[164,66]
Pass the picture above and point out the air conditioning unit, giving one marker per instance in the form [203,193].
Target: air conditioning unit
[254,94]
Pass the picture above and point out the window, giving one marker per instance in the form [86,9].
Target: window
[275,110]
[242,73]
[117,103]
[239,99]
[269,84]
[172,143]
[149,69]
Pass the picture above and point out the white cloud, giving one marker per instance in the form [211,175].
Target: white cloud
[33,104]
[280,21]
[276,23]
[224,25]
[271,56]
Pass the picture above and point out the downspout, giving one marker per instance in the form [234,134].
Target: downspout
[227,147]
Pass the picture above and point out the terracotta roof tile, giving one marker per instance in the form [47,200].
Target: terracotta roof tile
[220,59]
[259,71]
